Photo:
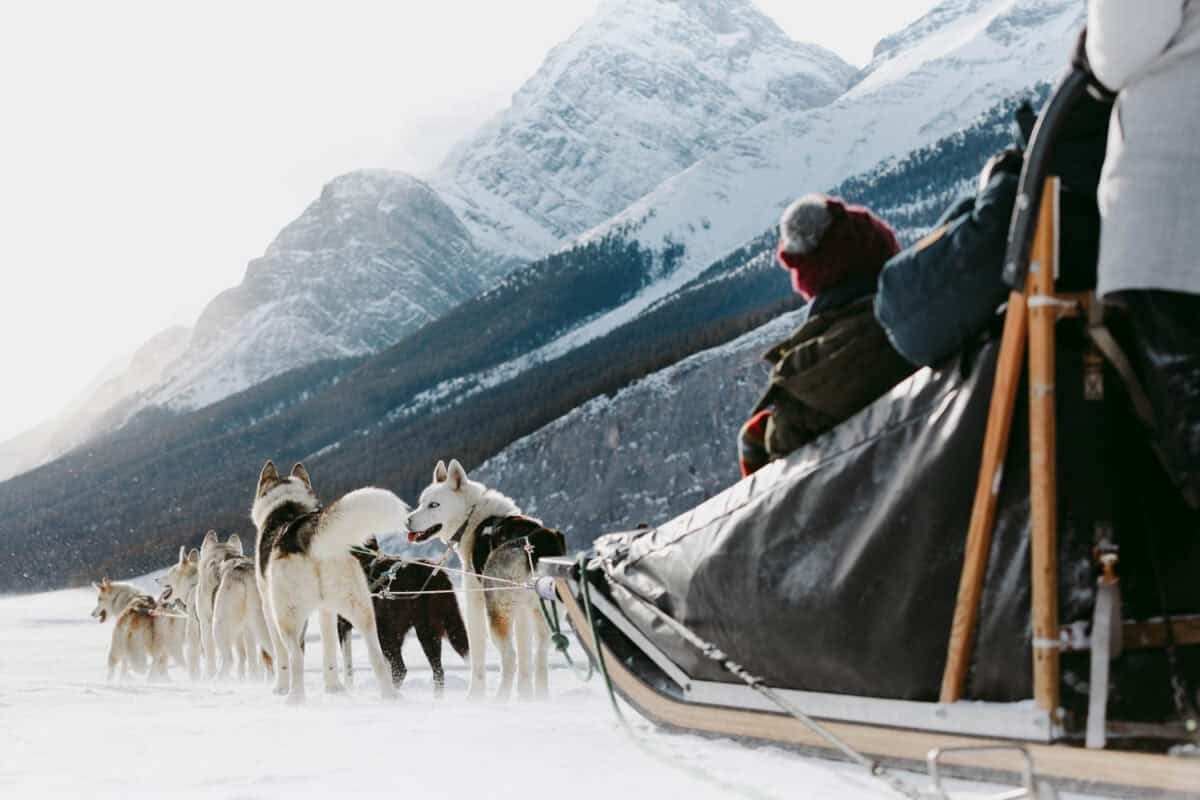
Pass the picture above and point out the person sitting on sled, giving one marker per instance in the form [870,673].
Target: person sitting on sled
[1148,54]
[840,359]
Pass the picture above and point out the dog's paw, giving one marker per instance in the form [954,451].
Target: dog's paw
[388,692]
[295,699]
[280,690]
[334,688]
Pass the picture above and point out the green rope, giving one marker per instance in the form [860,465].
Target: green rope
[586,596]
[560,640]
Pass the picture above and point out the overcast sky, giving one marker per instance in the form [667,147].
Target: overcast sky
[148,150]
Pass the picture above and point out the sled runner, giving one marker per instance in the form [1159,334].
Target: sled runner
[998,587]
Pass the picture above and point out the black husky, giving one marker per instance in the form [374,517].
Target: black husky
[433,615]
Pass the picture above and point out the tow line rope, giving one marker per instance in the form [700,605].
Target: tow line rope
[602,667]
[390,575]
[550,615]
[549,612]
[712,652]
[561,642]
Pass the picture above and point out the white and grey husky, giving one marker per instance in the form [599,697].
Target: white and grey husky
[239,619]
[495,541]
[182,582]
[213,553]
[304,564]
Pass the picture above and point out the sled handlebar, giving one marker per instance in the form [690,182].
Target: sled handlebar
[1062,100]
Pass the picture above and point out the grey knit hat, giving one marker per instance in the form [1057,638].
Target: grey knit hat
[803,224]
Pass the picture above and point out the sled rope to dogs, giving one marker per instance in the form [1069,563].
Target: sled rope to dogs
[602,668]
[390,575]
[714,653]
[550,615]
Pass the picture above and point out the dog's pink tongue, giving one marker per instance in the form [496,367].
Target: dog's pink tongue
[412,535]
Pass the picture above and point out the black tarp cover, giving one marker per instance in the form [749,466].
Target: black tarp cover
[836,569]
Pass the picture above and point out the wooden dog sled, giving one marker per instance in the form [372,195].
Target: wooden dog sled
[993,716]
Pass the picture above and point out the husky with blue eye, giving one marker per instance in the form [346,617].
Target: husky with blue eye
[304,564]
[497,546]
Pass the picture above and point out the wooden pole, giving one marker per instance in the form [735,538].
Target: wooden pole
[987,490]
[1043,313]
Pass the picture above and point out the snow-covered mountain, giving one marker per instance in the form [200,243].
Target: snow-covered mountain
[934,77]
[377,255]
[942,74]
[641,91]
[939,75]
[696,120]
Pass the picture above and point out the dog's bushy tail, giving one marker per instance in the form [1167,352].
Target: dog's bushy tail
[356,518]
[456,631]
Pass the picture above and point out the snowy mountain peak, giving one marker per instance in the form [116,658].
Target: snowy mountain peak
[938,18]
[641,91]
[369,182]
[375,256]
[725,17]
[379,203]
[953,25]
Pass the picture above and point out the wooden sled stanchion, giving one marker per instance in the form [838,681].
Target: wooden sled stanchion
[1030,317]
[987,490]
[1044,310]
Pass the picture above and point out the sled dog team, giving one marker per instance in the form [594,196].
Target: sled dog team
[220,605]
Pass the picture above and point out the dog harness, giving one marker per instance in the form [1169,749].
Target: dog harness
[495,533]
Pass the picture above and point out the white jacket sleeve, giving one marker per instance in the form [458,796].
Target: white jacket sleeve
[1125,36]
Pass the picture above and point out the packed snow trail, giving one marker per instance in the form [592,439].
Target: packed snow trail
[65,732]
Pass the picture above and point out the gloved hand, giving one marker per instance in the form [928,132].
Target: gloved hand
[752,448]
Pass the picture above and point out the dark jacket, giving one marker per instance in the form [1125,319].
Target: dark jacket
[836,364]
[941,293]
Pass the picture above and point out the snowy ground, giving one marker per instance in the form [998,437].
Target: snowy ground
[65,732]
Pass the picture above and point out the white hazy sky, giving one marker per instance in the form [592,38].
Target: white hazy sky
[148,150]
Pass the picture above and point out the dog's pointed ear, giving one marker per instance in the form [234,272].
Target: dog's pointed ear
[210,539]
[182,554]
[439,472]
[235,542]
[268,475]
[194,556]
[96,586]
[105,583]
[456,475]
[298,471]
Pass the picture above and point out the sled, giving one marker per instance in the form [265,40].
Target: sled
[983,695]
[897,733]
